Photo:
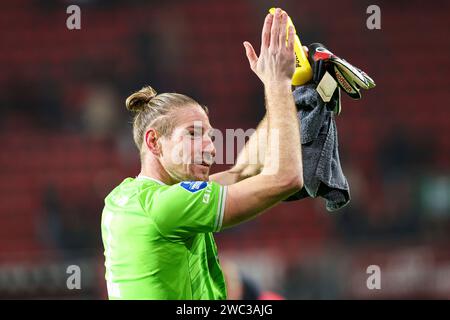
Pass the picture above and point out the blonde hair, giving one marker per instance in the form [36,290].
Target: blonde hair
[153,109]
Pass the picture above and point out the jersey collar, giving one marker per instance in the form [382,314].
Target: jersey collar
[148,178]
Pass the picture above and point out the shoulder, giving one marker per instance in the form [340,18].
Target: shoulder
[119,188]
[186,193]
[131,187]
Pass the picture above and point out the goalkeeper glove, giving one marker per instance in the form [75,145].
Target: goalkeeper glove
[348,77]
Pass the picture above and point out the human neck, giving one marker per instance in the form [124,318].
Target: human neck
[152,168]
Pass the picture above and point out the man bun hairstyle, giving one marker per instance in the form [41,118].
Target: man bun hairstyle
[139,100]
[154,110]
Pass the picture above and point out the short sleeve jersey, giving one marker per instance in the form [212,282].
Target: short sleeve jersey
[158,240]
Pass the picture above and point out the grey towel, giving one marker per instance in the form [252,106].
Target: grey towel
[322,172]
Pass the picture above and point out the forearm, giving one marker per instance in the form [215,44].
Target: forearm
[251,158]
[282,172]
[283,154]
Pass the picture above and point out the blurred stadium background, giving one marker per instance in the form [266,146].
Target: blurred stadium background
[66,140]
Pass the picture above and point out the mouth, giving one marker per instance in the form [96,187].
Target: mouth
[205,164]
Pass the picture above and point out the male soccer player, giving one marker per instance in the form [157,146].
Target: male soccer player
[157,228]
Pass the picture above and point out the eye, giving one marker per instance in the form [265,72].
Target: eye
[195,134]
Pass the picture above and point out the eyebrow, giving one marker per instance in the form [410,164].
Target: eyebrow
[195,127]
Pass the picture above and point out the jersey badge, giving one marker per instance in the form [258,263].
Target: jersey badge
[193,186]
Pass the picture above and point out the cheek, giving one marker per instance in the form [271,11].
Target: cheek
[178,153]
[191,148]
[186,148]
[196,147]
[174,151]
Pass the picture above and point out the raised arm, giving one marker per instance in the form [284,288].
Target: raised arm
[282,172]
[251,158]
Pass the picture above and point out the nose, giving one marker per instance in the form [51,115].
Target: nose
[209,147]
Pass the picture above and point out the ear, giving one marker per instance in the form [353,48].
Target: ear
[151,141]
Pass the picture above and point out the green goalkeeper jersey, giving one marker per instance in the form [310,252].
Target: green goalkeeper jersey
[158,240]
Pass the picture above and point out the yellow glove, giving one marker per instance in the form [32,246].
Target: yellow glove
[303,72]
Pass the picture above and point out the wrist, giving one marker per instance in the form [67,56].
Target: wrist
[276,90]
[276,86]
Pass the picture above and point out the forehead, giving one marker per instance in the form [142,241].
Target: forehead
[188,116]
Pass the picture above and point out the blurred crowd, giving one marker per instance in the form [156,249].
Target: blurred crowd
[394,143]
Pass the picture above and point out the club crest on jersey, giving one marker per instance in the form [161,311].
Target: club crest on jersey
[193,186]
